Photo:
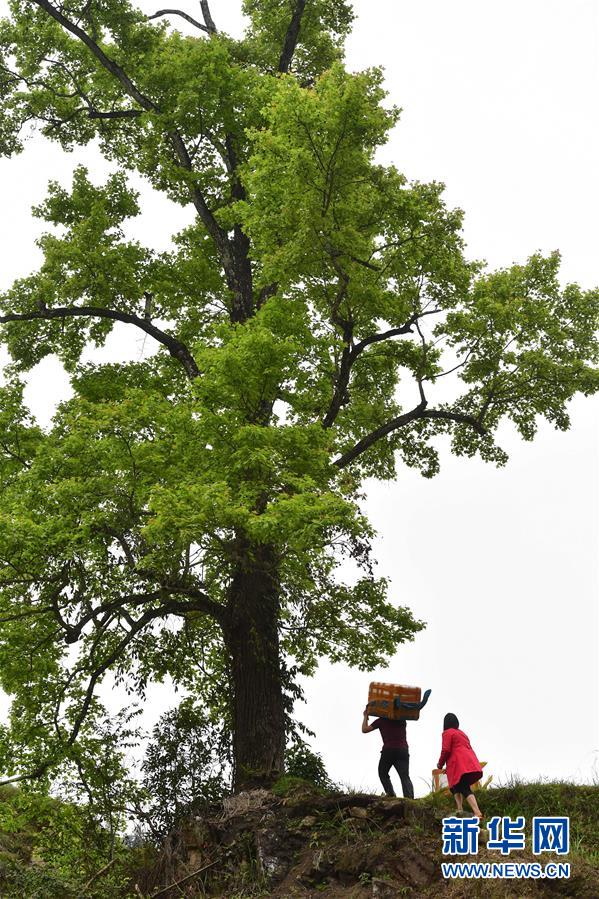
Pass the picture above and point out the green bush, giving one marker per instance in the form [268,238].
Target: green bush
[186,766]
[303,763]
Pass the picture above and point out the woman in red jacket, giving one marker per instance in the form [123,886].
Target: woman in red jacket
[463,767]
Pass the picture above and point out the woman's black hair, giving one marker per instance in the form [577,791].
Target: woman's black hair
[450,720]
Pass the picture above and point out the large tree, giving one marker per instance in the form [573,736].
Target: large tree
[317,322]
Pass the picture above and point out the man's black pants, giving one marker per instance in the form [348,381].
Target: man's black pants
[400,760]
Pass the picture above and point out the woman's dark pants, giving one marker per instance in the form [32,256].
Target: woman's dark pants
[463,785]
[400,760]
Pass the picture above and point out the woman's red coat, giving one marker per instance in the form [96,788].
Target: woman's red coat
[459,755]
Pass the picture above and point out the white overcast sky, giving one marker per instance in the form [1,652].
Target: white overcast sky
[499,102]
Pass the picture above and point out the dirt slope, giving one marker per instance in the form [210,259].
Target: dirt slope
[358,846]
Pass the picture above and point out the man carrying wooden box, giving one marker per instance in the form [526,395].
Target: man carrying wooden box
[394,704]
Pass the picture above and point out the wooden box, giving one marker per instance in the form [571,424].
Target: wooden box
[396,701]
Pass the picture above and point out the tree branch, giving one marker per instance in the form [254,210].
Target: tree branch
[350,354]
[291,36]
[418,412]
[198,602]
[176,348]
[146,103]
[105,665]
[91,110]
[87,700]
[201,602]
[459,418]
[97,51]
[30,613]
[219,236]
[385,335]
[74,631]
[184,15]
[211,27]
[178,883]
[113,113]
[236,272]
[366,442]
[168,608]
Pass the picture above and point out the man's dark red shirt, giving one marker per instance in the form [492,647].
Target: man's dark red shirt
[392,732]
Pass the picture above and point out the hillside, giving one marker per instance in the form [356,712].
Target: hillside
[304,844]
[292,842]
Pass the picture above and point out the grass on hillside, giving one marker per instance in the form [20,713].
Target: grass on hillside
[45,853]
[579,802]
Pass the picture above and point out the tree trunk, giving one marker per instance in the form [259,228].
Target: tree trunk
[253,642]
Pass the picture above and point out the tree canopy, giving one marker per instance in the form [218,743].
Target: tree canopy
[317,324]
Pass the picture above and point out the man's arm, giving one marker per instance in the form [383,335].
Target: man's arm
[366,727]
